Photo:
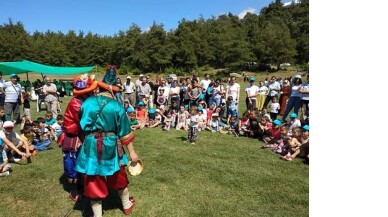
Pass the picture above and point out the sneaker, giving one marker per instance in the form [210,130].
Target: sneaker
[193,143]
[14,160]
[5,173]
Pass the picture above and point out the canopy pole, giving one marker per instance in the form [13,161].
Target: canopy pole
[27,75]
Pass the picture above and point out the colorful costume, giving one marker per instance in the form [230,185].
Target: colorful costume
[71,139]
[101,158]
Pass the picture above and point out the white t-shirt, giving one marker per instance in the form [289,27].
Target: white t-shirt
[58,128]
[274,108]
[274,88]
[166,92]
[305,87]
[129,88]
[293,125]
[232,90]
[252,90]
[194,120]
[205,84]
[263,90]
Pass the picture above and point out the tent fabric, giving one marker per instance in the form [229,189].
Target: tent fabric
[29,66]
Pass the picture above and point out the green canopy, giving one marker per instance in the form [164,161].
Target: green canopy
[28,66]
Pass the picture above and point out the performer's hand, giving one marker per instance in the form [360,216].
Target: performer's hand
[134,157]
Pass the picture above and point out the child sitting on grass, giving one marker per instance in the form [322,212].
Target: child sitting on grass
[294,144]
[168,120]
[183,115]
[17,141]
[233,126]
[5,167]
[141,114]
[213,126]
[41,140]
[133,123]
[273,134]
[244,124]
[28,135]
[58,126]
[49,119]
[157,121]
[6,144]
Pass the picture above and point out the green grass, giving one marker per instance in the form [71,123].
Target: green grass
[219,176]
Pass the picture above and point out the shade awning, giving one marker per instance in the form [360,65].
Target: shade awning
[29,66]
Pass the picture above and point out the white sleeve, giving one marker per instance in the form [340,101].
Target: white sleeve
[2,135]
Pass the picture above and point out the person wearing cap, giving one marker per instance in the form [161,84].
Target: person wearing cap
[293,123]
[251,91]
[13,98]
[18,142]
[295,100]
[70,140]
[102,159]
[50,97]
[129,89]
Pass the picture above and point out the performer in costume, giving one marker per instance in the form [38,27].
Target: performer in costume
[71,139]
[101,158]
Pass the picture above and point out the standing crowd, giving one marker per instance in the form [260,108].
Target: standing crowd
[95,131]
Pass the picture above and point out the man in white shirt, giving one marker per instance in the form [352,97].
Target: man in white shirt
[129,89]
[51,100]
[233,89]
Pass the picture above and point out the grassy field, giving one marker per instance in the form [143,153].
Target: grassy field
[219,176]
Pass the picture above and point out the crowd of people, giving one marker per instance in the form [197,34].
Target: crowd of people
[105,113]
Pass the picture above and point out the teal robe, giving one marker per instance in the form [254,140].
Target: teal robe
[112,119]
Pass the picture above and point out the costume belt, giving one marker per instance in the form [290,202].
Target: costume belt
[98,135]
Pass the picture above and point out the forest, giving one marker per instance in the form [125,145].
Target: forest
[278,34]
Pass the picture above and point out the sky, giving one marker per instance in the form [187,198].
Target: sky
[109,17]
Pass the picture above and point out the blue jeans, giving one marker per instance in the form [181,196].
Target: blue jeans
[293,102]
[119,98]
[43,145]
[215,100]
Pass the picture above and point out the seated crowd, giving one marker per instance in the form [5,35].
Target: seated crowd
[190,105]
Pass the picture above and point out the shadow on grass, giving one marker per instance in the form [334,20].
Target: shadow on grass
[182,138]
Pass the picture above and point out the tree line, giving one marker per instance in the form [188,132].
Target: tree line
[276,35]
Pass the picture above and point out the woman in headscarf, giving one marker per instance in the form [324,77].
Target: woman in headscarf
[284,93]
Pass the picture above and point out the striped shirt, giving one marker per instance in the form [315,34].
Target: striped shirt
[12,91]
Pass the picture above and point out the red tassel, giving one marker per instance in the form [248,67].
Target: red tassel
[98,136]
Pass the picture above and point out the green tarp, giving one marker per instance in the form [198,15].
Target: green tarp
[28,66]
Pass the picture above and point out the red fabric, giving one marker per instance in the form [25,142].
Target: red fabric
[275,133]
[119,180]
[129,140]
[96,187]
[60,139]
[71,124]
[98,136]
